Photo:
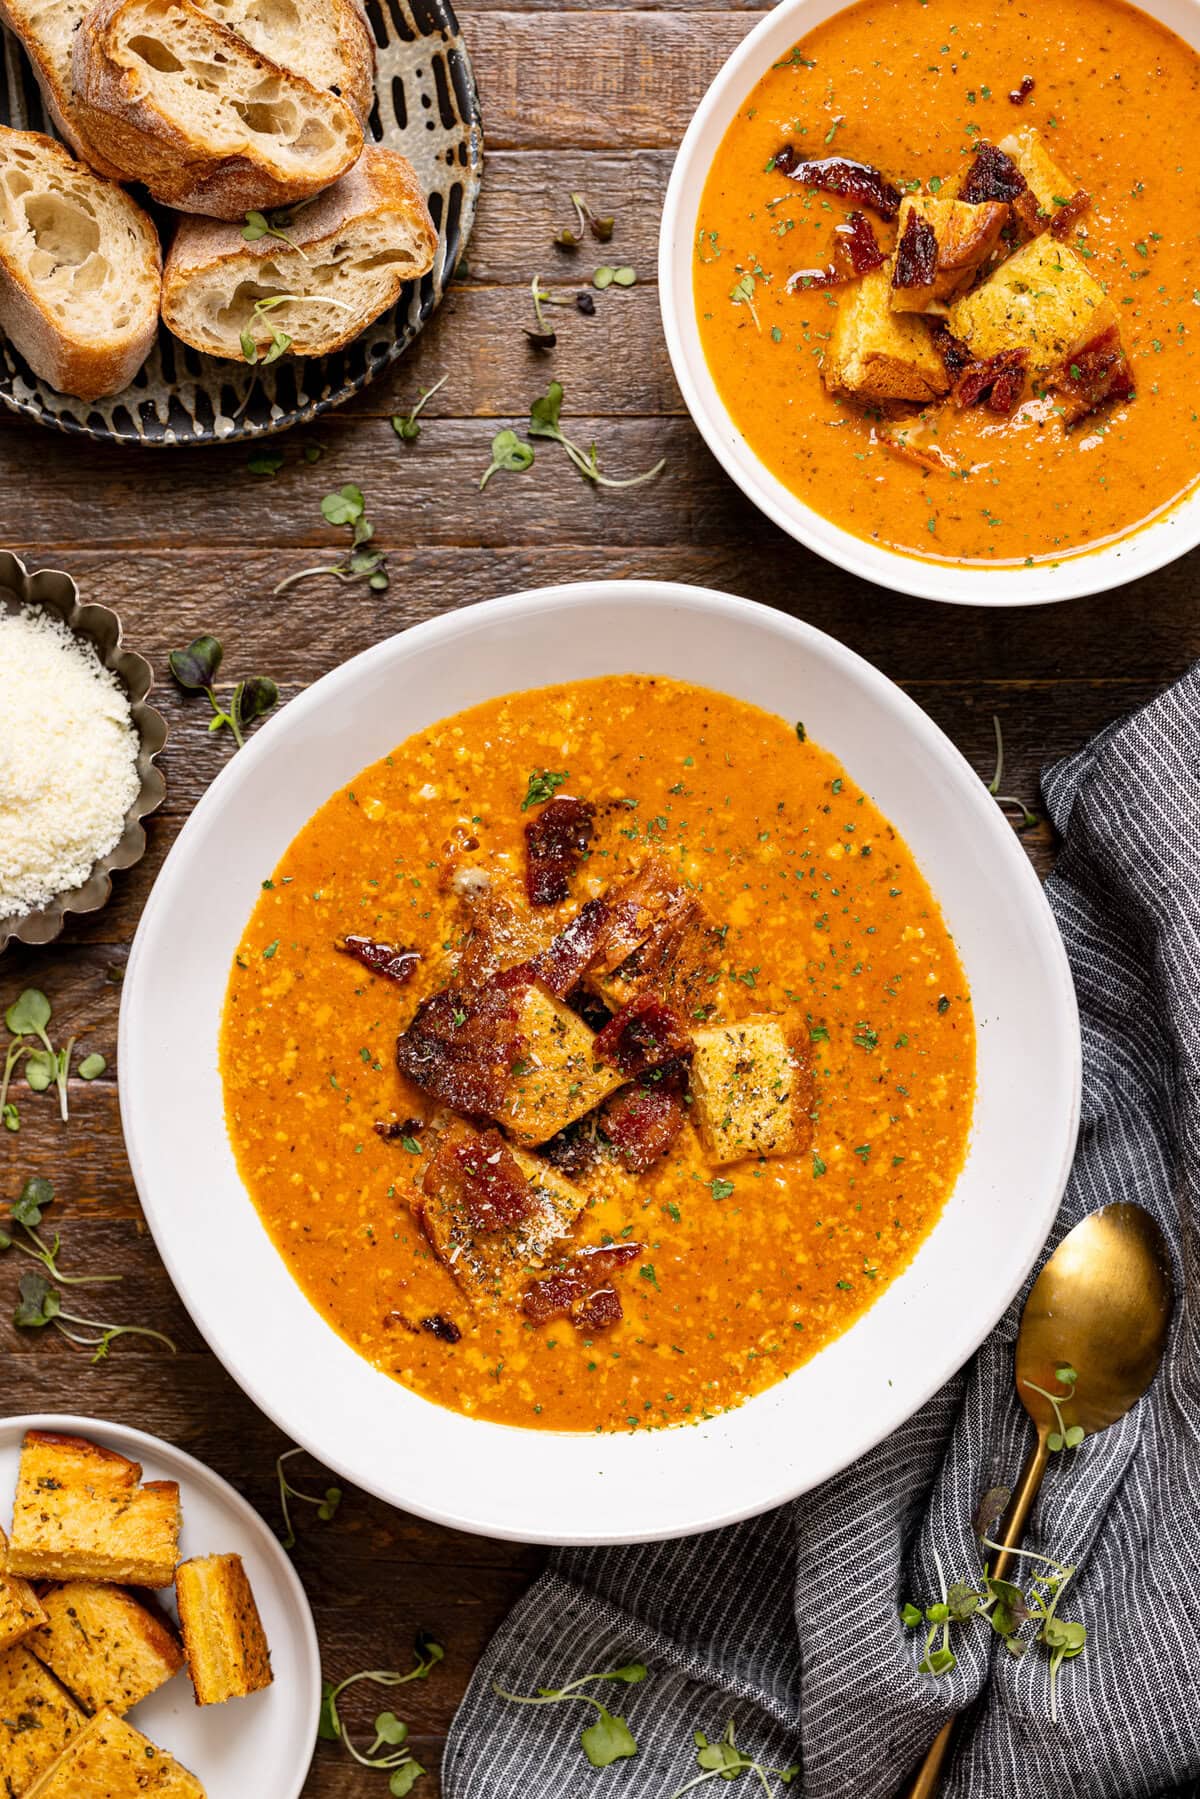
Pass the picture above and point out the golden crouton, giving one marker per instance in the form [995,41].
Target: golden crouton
[37,1721]
[226,1646]
[556,1078]
[491,1266]
[105,1647]
[966,237]
[109,1759]
[751,1091]
[1042,300]
[877,355]
[660,939]
[1050,185]
[81,1514]
[19,1609]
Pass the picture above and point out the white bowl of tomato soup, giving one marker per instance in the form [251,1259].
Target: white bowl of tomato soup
[875,1106]
[861,411]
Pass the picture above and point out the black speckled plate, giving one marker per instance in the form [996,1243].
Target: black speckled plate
[427,107]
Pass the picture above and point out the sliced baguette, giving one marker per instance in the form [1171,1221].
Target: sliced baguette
[47,29]
[354,248]
[327,41]
[80,269]
[209,124]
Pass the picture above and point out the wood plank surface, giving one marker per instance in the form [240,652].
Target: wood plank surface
[577,96]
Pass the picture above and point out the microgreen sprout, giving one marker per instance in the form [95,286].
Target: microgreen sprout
[389,1751]
[544,422]
[407,425]
[1007,801]
[543,335]
[606,276]
[742,294]
[195,669]
[586,220]
[26,1213]
[723,1760]
[608,1739]
[348,507]
[280,341]
[41,1304]
[45,1066]
[259,225]
[326,1506]
[1064,1436]
[508,452]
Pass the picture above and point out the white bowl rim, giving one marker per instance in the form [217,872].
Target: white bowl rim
[1171,534]
[954,1347]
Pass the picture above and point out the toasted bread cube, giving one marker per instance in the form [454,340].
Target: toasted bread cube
[660,939]
[20,1611]
[751,1090]
[966,237]
[81,1514]
[226,1645]
[1050,185]
[556,1078]
[105,1646]
[1042,300]
[109,1759]
[492,1267]
[37,1721]
[877,355]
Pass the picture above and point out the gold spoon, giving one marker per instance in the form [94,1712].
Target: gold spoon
[1101,1306]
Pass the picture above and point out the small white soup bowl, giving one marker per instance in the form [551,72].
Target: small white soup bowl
[1167,537]
[541,1485]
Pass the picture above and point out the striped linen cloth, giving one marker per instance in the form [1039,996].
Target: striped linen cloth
[788,1624]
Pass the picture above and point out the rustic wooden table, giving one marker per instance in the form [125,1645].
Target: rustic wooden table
[574,98]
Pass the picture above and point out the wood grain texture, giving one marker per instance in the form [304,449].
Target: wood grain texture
[577,96]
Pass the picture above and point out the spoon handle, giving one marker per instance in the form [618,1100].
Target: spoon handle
[1010,1530]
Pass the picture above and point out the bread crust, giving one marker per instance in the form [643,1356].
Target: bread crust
[141,137]
[351,70]
[381,185]
[54,78]
[88,363]
[227,1649]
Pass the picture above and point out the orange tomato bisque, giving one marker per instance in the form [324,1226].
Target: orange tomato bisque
[744,1270]
[913,87]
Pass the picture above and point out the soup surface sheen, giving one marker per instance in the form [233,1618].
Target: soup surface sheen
[746,1269]
[913,86]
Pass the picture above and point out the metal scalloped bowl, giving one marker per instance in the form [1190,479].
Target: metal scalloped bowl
[609,1487]
[426,107]
[57,593]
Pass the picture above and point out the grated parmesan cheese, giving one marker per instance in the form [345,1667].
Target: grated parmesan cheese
[68,760]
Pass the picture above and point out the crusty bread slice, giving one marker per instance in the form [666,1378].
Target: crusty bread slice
[37,1719]
[209,124]
[222,1632]
[20,1612]
[350,253]
[105,1646]
[327,41]
[80,269]
[81,1513]
[109,1759]
[47,29]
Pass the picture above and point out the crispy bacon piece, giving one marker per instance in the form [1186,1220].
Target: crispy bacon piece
[1065,217]
[384,959]
[493,1190]
[998,379]
[1020,94]
[564,962]
[643,1035]
[391,1129]
[643,1122]
[992,176]
[855,252]
[1098,373]
[916,254]
[441,1327]
[555,843]
[461,1045]
[581,1291]
[953,352]
[856,181]
[572,1151]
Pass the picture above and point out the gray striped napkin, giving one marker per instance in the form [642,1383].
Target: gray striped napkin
[788,1624]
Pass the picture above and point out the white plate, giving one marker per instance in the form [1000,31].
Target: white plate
[1171,535]
[257,1746]
[539,1485]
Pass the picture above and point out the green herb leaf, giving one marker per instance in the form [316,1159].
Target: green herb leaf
[35,1196]
[264,462]
[404,1779]
[92,1067]
[29,1013]
[509,453]
[720,1188]
[543,783]
[391,1730]
[911,1615]
[39,1303]
[608,1740]
[345,507]
[196,667]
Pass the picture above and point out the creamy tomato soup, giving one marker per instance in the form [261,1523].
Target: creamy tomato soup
[688,1056]
[1094,429]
